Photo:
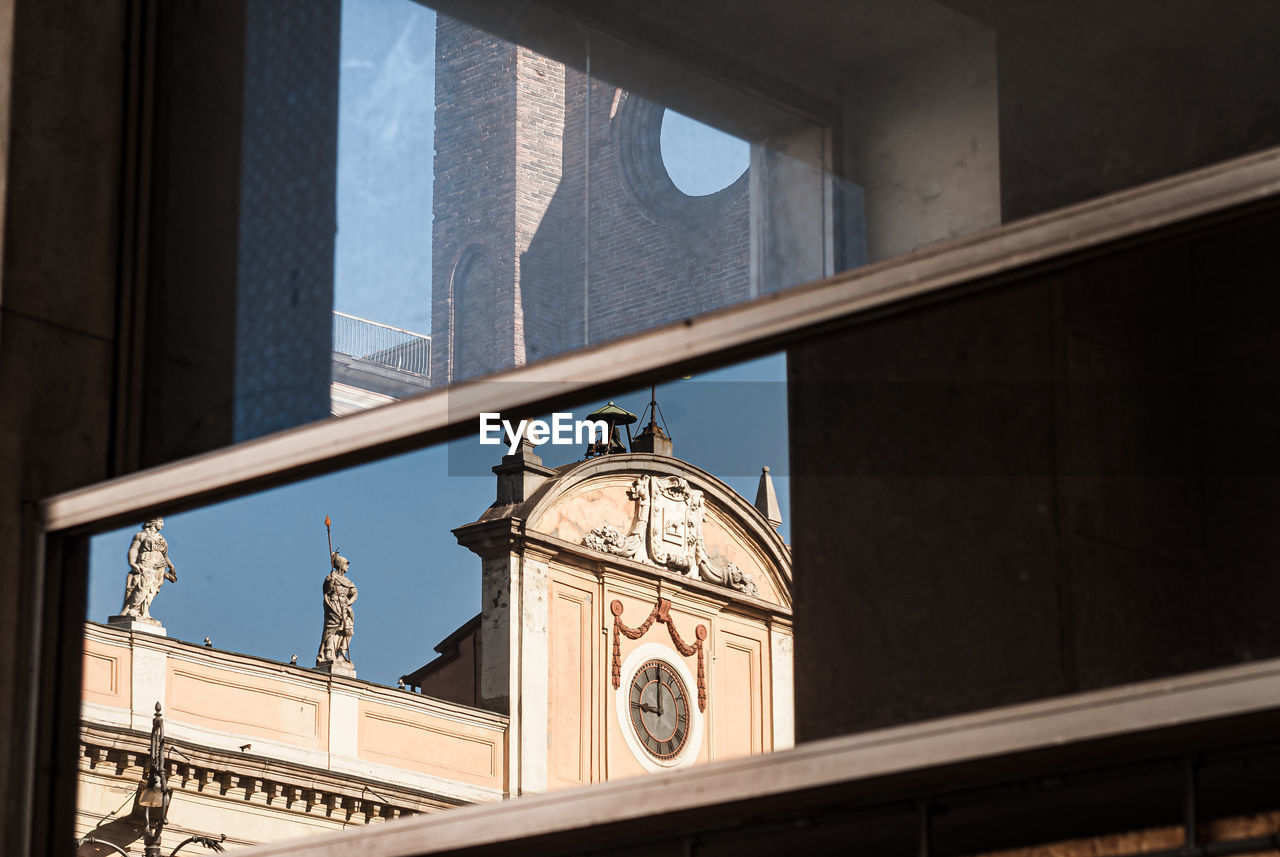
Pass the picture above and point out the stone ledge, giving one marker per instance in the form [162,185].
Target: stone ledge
[283,786]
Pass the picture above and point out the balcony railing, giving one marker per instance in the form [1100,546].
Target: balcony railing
[392,347]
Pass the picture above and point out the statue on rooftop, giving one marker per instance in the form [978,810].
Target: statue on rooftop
[149,568]
[339,616]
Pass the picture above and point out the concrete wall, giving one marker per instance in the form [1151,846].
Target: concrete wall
[1101,96]
[453,675]
[62,75]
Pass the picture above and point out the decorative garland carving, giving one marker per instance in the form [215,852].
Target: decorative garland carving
[661,613]
[668,533]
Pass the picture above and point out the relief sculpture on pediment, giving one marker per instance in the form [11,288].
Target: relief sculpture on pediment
[667,533]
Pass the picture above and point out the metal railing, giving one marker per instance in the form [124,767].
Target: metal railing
[393,347]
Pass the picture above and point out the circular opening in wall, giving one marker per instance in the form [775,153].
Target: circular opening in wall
[699,159]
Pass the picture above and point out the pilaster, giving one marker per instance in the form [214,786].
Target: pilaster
[782,678]
[150,673]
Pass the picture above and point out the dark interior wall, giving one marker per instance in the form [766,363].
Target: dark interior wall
[239,292]
[1061,484]
[1057,484]
[288,215]
[193,247]
[61,117]
[1096,96]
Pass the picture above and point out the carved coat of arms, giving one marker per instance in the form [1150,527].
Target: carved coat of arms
[668,533]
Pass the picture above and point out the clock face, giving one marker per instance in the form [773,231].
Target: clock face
[659,707]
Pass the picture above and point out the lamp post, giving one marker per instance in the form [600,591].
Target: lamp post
[89,839]
[207,841]
[154,797]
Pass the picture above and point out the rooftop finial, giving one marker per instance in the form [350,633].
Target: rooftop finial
[654,438]
[767,500]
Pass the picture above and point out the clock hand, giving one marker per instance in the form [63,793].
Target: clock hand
[649,709]
[660,689]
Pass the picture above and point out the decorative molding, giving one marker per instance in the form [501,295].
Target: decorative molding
[661,613]
[280,785]
[668,533]
[583,559]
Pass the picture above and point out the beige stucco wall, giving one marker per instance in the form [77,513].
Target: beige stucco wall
[108,670]
[586,740]
[225,700]
[246,701]
[455,680]
[440,742]
[265,750]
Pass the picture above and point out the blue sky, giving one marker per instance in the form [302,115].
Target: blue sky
[250,570]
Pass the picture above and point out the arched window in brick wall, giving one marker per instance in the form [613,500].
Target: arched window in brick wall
[640,130]
[475,346]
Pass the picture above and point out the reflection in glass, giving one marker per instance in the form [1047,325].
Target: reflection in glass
[372,154]
[699,159]
[564,210]
[510,562]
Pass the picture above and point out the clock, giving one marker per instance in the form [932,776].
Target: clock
[658,702]
[657,707]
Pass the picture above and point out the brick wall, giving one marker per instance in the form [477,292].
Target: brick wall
[561,181]
[474,200]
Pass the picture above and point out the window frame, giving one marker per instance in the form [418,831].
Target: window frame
[57,567]
[869,768]
[737,332]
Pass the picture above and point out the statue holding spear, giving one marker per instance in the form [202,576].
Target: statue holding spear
[339,615]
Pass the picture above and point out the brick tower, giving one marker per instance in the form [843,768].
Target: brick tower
[555,222]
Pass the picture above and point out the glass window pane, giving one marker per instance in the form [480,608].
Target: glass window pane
[428,193]
[302,695]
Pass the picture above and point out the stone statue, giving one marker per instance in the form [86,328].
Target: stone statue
[339,617]
[149,568]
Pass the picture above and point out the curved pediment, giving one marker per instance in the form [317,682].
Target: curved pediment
[663,512]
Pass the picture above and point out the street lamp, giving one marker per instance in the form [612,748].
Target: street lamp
[207,841]
[154,796]
[90,839]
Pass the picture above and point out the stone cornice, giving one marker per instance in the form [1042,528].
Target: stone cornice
[605,563]
[284,786]
[566,477]
[486,538]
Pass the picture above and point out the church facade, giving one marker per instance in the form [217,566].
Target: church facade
[612,588]
[636,618]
